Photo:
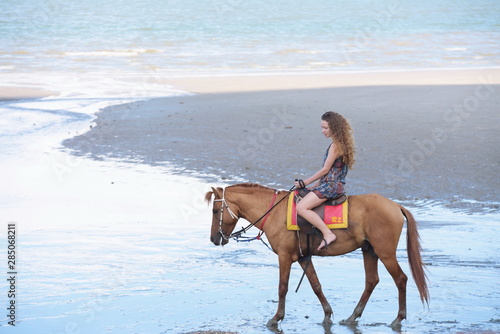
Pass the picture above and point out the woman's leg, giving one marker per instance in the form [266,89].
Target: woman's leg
[304,209]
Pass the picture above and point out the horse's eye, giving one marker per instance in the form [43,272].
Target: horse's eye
[215,211]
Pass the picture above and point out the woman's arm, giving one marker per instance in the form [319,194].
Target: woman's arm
[330,159]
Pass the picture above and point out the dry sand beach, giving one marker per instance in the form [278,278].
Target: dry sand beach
[420,135]
[20,93]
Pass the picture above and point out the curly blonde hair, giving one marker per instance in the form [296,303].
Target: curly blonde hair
[342,135]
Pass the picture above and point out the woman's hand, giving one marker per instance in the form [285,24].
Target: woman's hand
[299,184]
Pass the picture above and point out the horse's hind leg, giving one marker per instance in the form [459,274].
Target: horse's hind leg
[371,281]
[308,266]
[400,278]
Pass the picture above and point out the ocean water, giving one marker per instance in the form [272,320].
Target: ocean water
[115,247]
[129,49]
[235,36]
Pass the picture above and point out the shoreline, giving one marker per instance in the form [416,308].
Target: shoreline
[241,81]
[415,141]
[223,83]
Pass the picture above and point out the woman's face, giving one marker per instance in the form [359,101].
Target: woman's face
[325,129]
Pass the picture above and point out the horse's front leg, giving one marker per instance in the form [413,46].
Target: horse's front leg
[308,266]
[285,264]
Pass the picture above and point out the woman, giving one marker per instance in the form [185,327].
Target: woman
[338,159]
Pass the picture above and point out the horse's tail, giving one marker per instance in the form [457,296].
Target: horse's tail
[414,248]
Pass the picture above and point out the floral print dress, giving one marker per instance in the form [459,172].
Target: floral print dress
[332,184]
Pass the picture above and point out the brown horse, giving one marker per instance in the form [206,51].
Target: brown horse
[375,224]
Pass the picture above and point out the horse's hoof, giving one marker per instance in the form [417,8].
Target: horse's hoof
[396,325]
[272,324]
[348,322]
[327,321]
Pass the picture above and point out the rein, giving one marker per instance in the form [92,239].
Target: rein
[240,238]
[238,235]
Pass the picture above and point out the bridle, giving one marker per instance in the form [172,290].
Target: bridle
[231,213]
[237,235]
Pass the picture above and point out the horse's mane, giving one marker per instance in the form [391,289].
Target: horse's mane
[248,185]
[208,195]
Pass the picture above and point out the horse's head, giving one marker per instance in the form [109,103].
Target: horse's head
[224,218]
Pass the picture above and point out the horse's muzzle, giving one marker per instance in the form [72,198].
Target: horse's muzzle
[218,240]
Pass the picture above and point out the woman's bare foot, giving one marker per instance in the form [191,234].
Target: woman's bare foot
[327,240]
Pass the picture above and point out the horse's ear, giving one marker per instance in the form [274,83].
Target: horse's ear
[217,192]
[208,195]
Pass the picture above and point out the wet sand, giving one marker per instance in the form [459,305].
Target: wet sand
[422,135]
